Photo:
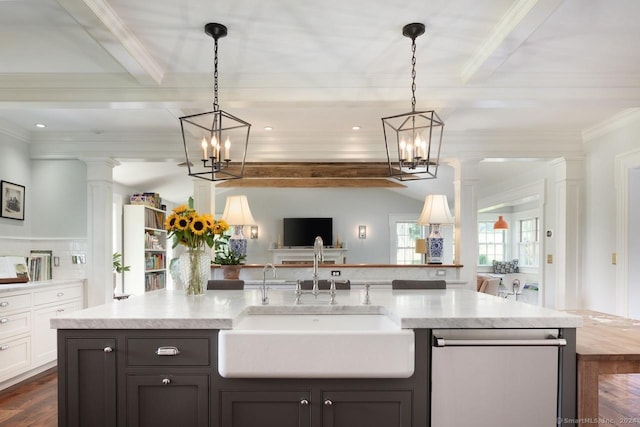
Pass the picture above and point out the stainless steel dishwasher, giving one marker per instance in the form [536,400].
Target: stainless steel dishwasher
[495,377]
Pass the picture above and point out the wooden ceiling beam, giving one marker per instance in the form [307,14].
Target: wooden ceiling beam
[311,183]
[316,170]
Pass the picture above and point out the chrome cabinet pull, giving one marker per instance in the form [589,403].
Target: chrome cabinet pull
[4,320]
[60,310]
[4,347]
[107,349]
[60,294]
[4,303]
[166,381]
[328,402]
[167,351]
[304,402]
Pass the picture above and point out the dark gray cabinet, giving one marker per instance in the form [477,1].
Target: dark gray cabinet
[364,408]
[87,379]
[165,399]
[158,378]
[265,408]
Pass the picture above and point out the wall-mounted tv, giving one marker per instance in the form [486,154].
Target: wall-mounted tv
[303,231]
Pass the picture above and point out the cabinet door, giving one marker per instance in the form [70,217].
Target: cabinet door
[87,389]
[265,408]
[366,409]
[43,337]
[158,400]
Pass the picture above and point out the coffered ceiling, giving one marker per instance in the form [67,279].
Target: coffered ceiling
[519,78]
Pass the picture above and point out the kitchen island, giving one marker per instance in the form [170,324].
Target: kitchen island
[153,360]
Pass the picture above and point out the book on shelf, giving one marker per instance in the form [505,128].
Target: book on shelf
[154,219]
[39,263]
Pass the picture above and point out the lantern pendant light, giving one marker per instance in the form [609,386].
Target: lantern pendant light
[215,142]
[413,139]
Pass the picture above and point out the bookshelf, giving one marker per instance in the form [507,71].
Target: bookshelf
[144,249]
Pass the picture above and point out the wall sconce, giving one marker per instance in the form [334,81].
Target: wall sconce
[254,232]
[362,232]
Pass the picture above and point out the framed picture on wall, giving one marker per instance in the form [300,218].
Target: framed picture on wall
[11,200]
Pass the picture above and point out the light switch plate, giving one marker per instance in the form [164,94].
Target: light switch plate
[335,272]
[441,272]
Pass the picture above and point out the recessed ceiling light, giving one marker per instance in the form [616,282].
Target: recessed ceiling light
[355,127]
[40,125]
[268,128]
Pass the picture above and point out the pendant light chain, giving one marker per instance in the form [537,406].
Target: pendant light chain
[215,76]
[413,75]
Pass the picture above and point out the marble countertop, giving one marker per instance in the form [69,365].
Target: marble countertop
[411,309]
[11,287]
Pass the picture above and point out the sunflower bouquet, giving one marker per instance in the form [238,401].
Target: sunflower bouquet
[194,230]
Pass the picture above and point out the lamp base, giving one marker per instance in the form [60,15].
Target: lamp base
[434,250]
[435,245]
[237,242]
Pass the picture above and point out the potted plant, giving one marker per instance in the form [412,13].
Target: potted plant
[118,268]
[230,260]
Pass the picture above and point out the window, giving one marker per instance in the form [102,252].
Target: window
[529,246]
[491,243]
[406,234]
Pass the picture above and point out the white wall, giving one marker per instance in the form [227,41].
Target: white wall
[634,243]
[349,207]
[55,207]
[58,198]
[599,274]
[15,167]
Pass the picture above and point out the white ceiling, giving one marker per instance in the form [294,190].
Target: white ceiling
[510,78]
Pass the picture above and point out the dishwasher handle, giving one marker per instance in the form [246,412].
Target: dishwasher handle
[442,342]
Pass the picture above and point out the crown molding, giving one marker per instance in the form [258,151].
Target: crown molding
[611,124]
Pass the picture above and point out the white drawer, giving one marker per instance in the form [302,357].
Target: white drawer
[56,294]
[14,302]
[14,324]
[14,357]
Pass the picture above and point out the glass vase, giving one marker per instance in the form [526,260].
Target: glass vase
[195,269]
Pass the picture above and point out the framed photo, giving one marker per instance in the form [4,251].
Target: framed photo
[11,200]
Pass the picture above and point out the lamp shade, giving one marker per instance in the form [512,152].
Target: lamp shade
[500,224]
[237,212]
[435,210]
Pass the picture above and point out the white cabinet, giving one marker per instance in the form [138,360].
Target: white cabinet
[27,342]
[144,249]
[47,305]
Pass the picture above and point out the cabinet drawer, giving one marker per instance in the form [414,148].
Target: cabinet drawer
[57,294]
[14,302]
[14,324]
[14,357]
[191,351]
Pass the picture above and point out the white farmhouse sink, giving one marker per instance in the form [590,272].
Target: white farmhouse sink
[316,346]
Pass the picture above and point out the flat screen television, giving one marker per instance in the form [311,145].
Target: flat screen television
[303,231]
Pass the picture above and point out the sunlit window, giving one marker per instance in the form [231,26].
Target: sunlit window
[529,246]
[491,243]
[406,234]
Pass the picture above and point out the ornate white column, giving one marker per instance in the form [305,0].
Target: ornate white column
[567,252]
[465,185]
[204,196]
[100,230]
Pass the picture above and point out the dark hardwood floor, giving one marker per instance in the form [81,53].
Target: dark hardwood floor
[33,403]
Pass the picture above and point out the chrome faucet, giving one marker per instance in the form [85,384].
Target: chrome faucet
[265,290]
[318,257]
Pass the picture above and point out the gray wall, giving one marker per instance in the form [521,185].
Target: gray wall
[349,207]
